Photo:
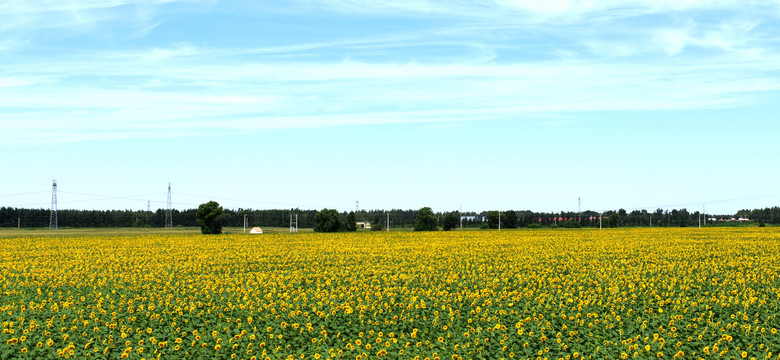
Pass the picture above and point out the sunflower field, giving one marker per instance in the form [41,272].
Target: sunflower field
[524,294]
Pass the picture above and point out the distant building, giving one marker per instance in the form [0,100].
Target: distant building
[363,225]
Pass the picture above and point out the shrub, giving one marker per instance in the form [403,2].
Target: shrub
[327,220]
[572,224]
[450,221]
[210,216]
[426,220]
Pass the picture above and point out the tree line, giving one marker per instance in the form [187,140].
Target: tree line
[32,218]
[398,218]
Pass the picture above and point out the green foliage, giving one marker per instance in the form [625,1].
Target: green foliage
[509,219]
[572,224]
[349,224]
[70,218]
[327,220]
[210,217]
[450,221]
[426,220]
[534,226]
[377,226]
[484,226]
[492,219]
[613,220]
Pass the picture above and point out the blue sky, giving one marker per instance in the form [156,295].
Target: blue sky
[479,105]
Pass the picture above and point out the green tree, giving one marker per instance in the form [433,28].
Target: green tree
[450,221]
[350,224]
[426,220]
[685,217]
[210,217]
[613,220]
[509,219]
[572,224]
[492,219]
[327,220]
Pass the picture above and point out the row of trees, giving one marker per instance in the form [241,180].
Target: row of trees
[30,218]
[35,218]
[765,215]
[330,220]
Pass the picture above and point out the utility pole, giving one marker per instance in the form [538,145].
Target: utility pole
[294,225]
[388,222]
[53,211]
[460,216]
[169,210]
[245,223]
[499,221]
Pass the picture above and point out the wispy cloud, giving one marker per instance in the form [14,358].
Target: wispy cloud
[14,82]
[212,98]
[489,64]
[550,10]
[27,18]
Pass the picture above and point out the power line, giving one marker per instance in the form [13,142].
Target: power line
[98,197]
[234,199]
[20,194]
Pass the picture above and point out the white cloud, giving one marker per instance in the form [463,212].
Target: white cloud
[727,36]
[549,10]
[78,16]
[11,44]
[612,49]
[208,96]
[14,82]
[672,41]
[188,88]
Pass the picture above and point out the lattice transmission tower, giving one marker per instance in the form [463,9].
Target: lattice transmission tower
[169,210]
[53,213]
